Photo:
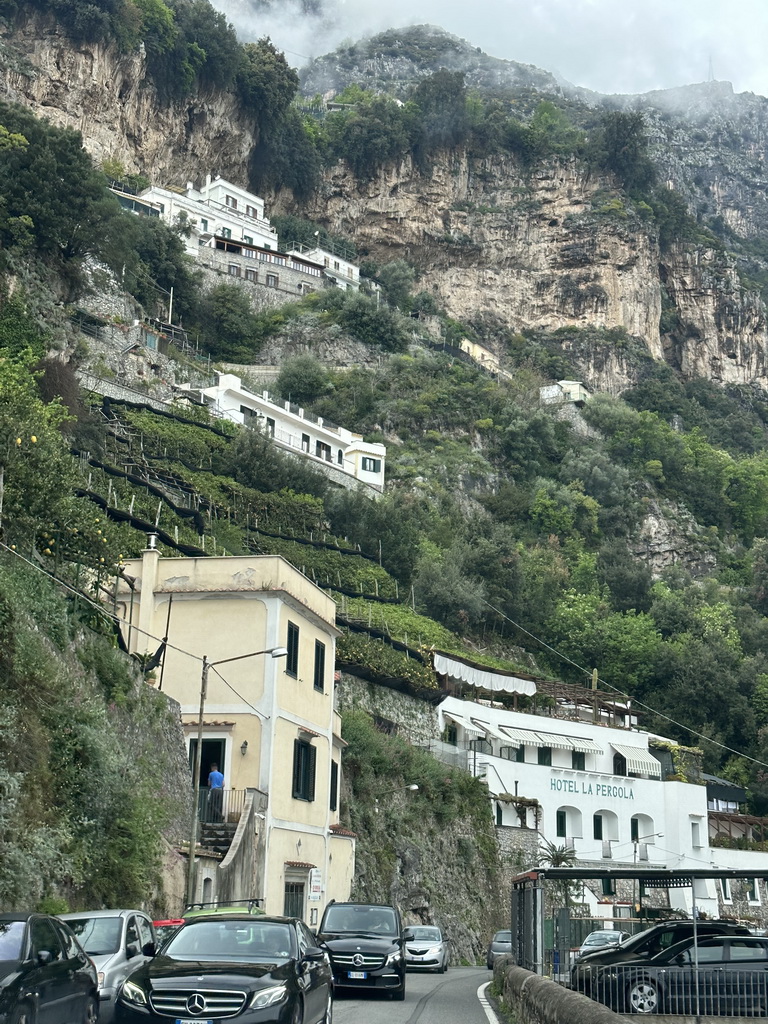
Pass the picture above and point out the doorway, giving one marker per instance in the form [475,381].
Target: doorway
[214,752]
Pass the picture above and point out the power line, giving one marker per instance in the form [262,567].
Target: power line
[615,689]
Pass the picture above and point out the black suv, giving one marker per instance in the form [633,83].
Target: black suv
[365,943]
[643,945]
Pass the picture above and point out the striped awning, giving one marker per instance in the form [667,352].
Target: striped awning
[585,746]
[480,676]
[639,760]
[522,737]
[466,725]
[492,732]
[555,740]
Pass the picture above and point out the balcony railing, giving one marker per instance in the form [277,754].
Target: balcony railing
[220,805]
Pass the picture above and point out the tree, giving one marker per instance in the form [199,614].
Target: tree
[621,147]
[396,278]
[302,379]
[266,83]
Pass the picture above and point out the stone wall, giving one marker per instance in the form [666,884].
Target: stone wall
[413,719]
[536,1000]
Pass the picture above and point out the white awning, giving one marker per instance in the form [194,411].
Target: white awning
[639,760]
[467,726]
[522,737]
[483,678]
[556,741]
[585,746]
[492,732]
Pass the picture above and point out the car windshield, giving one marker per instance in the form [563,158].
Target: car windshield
[11,936]
[502,937]
[97,935]
[426,934]
[342,919]
[601,938]
[230,940]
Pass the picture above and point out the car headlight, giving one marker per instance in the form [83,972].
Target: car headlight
[101,978]
[394,957]
[133,993]
[434,951]
[268,997]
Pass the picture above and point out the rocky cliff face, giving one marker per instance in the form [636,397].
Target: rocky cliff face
[107,97]
[493,243]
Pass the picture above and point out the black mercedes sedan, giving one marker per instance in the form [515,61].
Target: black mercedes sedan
[251,970]
[45,976]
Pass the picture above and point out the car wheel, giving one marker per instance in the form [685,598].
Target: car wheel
[21,1015]
[643,996]
[399,993]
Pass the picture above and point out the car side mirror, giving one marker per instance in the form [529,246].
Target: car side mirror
[45,956]
[132,949]
[148,949]
[408,935]
[313,954]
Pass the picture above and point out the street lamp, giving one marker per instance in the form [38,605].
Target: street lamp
[398,789]
[276,652]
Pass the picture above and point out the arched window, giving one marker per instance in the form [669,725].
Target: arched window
[568,823]
[642,828]
[606,823]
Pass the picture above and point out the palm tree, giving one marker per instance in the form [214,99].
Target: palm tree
[564,856]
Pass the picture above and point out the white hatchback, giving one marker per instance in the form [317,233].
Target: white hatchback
[426,949]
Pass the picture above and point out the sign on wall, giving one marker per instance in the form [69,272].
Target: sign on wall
[315,884]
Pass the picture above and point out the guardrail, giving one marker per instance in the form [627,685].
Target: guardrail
[220,805]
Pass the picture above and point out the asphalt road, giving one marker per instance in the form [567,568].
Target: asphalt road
[450,998]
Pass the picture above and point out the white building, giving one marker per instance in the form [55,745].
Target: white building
[589,786]
[217,209]
[332,448]
[337,265]
[564,392]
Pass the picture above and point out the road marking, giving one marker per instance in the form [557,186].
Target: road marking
[485,1004]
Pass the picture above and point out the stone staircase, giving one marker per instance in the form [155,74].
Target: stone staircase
[217,836]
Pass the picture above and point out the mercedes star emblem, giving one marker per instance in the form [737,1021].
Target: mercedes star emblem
[196,1003]
[357,960]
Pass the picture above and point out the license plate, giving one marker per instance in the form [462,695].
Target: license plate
[359,975]
[184,1020]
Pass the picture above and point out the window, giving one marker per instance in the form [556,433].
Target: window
[292,661]
[597,826]
[231,202]
[234,270]
[371,465]
[319,666]
[521,757]
[45,939]
[619,764]
[695,833]
[305,440]
[335,264]
[270,426]
[272,280]
[340,457]
[499,815]
[249,254]
[578,760]
[226,233]
[609,887]
[725,889]
[634,830]
[250,211]
[753,893]
[248,239]
[304,760]
[251,275]
[451,735]
[561,824]
[323,451]
[334,800]
[203,224]
[545,755]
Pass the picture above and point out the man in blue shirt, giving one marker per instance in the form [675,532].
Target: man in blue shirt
[215,793]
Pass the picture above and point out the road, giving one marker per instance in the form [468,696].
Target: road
[450,998]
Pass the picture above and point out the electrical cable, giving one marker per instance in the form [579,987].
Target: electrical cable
[615,689]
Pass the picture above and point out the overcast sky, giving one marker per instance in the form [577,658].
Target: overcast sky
[606,45]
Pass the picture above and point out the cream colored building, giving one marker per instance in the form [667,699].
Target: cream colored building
[269,723]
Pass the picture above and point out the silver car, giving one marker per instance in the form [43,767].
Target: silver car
[114,940]
[601,938]
[426,949]
[500,945]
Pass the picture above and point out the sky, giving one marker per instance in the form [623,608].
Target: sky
[605,45]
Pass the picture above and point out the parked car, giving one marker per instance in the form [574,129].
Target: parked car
[602,937]
[365,943]
[249,969]
[165,928]
[45,975]
[731,978]
[500,944]
[646,944]
[114,940]
[426,949]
